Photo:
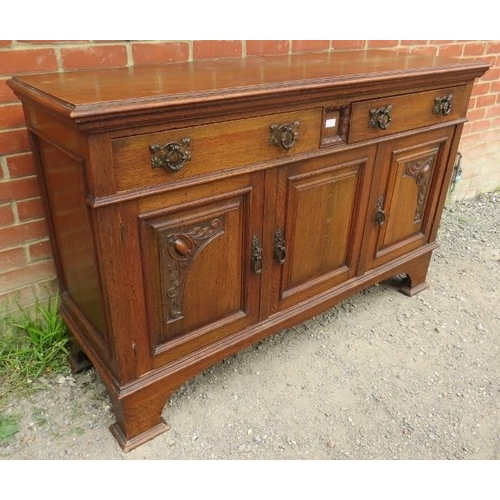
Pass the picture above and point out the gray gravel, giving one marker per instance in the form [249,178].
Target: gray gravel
[380,376]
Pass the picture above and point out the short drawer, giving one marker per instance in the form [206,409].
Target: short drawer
[174,155]
[389,115]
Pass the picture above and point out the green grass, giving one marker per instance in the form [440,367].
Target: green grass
[8,427]
[32,343]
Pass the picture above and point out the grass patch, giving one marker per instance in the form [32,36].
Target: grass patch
[8,427]
[32,344]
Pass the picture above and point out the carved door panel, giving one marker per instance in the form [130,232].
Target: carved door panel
[320,212]
[407,180]
[197,261]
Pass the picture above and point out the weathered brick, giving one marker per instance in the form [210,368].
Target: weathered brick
[40,250]
[19,189]
[20,61]
[267,47]
[21,165]
[310,45]
[6,94]
[6,215]
[348,44]
[474,48]
[20,234]
[11,115]
[14,141]
[26,275]
[12,258]
[485,100]
[30,209]
[382,44]
[205,49]
[152,53]
[94,56]
[452,50]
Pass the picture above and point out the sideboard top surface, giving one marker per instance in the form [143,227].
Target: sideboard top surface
[83,95]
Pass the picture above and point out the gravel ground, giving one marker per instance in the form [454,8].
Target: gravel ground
[380,376]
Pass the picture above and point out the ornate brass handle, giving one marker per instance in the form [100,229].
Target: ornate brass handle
[172,155]
[380,215]
[256,262]
[380,117]
[279,247]
[442,105]
[285,135]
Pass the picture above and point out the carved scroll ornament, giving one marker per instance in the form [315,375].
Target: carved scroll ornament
[182,249]
[421,171]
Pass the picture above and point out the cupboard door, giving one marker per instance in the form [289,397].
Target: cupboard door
[320,211]
[201,282]
[409,173]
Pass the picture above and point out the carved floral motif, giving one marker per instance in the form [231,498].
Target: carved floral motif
[420,170]
[182,249]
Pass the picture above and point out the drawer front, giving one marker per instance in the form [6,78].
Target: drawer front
[390,115]
[174,155]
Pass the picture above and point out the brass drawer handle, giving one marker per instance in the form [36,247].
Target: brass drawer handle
[285,135]
[380,117]
[172,155]
[256,263]
[442,105]
[279,247]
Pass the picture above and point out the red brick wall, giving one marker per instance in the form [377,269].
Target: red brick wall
[26,267]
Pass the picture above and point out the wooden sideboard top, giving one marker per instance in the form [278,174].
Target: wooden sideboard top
[86,96]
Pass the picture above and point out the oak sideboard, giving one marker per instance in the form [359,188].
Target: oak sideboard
[196,208]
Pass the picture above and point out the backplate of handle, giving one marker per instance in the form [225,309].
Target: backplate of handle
[172,156]
[284,136]
[380,214]
[279,247]
[442,105]
[381,117]
[256,258]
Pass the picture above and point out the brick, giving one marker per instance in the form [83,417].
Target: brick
[480,126]
[6,215]
[348,44]
[94,57]
[14,141]
[413,42]
[19,189]
[30,60]
[39,251]
[476,114]
[430,50]
[47,289]
[485,100]
[267,47]
[492,111]
[453,50]
[5,43]
[20,234]
[492,74]
[493,47]
[495,87]
[205,49]
[21,165]
[30,209]
[382,44]
[474,48]
[152,53]
[6,94]
[481,88]
[21,297]
[26,275]
[11,116]
[310,45]
[12,258]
